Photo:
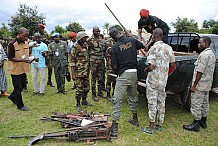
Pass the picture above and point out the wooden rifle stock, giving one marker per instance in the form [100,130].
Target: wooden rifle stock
[128,33]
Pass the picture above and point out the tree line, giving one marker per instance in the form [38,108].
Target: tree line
[29,17]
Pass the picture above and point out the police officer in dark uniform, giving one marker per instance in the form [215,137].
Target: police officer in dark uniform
[124,62]
[149,23]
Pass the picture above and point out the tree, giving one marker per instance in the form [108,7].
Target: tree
[185,25]
[58,29]
[27,17]
[106,27]
[215,29]
[118,27]
[75,27]
[4,31]
[209,24]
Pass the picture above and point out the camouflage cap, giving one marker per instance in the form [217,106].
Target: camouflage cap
[80,35]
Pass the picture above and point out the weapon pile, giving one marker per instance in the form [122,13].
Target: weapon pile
[79,127]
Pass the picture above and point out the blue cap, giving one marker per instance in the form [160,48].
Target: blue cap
[55,34]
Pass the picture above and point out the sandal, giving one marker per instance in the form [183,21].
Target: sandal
[158,127]
[147,130]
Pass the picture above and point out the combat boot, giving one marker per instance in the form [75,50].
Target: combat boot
[203,122]
[108,96]
[100,91]
[134,121]
[85,102]
[94,97]
[78,107]
[194,126]
[114,129]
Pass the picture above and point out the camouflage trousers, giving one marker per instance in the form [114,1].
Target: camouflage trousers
[126,82]
[82,85]
[97,74]
[199,104]
[156,104]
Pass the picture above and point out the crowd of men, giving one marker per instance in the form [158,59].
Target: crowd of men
[93,55]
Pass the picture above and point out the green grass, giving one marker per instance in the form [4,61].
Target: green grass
[14,122]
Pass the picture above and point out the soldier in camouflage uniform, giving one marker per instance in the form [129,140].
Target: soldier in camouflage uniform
[58,54]
[109,70]
[160,56]
[44,38]
[80,61]
[201,85]
[95,52]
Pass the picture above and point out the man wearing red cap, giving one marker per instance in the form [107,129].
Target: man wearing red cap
[72,37]
[149,23]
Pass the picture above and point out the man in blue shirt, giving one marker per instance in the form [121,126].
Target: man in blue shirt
[38,50]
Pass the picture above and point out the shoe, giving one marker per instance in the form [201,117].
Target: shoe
[58,91]
[25,90]
[101,95]
[51,84]
[35,93]
[194,126]
[158,127]
[147,130]
[5,94]
[9,97]
[23,108]
[78,108]
[203,122]
[134,122]
[64,92]
[114,130]
[85,102]
[74,86]
[42,94]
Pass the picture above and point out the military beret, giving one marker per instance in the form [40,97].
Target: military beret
[55,34]
[41,25]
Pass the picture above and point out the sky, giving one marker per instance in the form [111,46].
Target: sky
[90,13]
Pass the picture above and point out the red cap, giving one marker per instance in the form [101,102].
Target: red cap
[144,13]
[72,34]
[41,25]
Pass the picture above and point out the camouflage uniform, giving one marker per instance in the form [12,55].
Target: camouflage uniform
[58,54]
[159,55]
[200,98]
[81,63]
[95,52]
[109,43]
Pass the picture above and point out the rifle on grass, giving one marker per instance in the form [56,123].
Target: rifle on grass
[125,30]
[86,133]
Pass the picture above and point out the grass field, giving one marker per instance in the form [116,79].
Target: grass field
[15,122]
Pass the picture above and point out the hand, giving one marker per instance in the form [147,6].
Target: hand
[193,89]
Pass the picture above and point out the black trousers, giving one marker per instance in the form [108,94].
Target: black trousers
[19,82]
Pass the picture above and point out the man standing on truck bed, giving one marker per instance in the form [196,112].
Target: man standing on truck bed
[149,23]
[201,85]
[160,58]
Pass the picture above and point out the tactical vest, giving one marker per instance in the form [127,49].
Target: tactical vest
[18,68]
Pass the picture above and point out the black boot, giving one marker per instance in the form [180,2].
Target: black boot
[94,97]
[194,126]
[114,129]
[108,96]
[134,120]
[100,91]
[78,107]
[84,101]
[78,98]
[203,122]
